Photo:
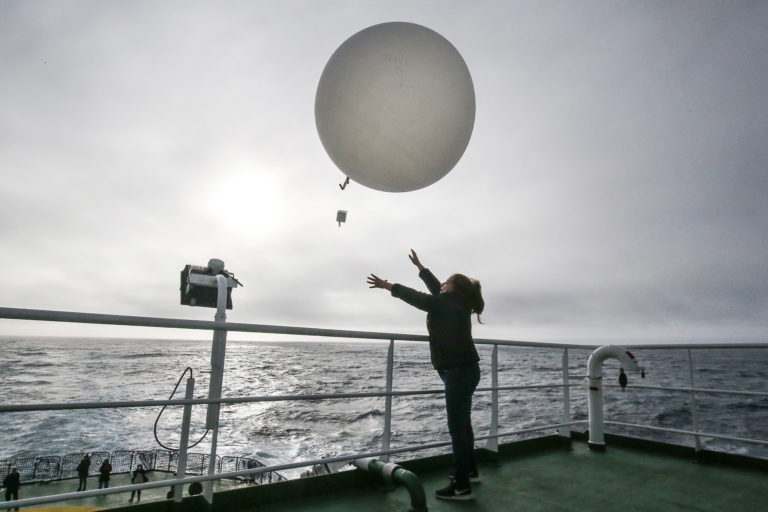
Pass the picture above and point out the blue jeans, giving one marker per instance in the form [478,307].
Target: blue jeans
[460,384]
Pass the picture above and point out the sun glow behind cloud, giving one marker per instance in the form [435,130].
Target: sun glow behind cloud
[241,198]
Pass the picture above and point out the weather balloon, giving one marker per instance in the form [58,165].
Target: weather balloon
[395,107]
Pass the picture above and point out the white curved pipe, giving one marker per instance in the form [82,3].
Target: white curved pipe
[595,380]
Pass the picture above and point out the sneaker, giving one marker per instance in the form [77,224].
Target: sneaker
[453,493]
[474,478]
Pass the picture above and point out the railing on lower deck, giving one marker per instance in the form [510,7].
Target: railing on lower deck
[563,426]
[56,467]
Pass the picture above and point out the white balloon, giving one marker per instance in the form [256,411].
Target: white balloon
[395,107]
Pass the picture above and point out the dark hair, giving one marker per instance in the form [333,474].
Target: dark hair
[469,290]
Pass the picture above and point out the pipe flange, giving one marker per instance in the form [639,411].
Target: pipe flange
[387,469]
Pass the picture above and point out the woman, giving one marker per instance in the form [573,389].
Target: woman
[449,310]
[139,477]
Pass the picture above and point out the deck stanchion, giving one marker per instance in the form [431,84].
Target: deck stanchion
[218,351]
[565,430]
[388,400]
[493,442]
[697,439]
[181,467]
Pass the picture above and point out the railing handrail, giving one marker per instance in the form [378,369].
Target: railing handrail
[711,391]
[178,323]
[47,406]
[244,399]
[687,432]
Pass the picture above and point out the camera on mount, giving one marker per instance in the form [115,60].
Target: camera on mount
[199,285]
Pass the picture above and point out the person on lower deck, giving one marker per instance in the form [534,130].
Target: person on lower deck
[449,308]
[105,470]
[82,472]
[139,477]
[12,482]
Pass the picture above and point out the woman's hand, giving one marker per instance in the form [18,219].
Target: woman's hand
[415,260]
[377,282]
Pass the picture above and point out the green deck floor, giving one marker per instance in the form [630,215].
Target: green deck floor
[551,480]
[619,479]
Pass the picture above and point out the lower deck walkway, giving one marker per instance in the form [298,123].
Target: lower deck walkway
[95,503]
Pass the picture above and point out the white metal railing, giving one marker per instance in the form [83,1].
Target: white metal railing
[491,439]
[696,433]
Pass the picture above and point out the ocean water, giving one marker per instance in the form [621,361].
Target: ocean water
[34,370]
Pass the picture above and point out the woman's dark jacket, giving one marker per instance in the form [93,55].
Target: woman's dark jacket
[449,322]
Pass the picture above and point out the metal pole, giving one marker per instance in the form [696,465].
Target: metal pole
[493,442]
[181,469]
[388,400]
[565,430]
[696,438]
[218,351]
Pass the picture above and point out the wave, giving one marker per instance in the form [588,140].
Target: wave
[367,415]
[751,404]
[275,432]
[142,356]
[675,418]
[31,364]
[25,382]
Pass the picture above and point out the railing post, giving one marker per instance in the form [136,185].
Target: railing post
[181,465]
[565,430]
[388,400]
[493,442]
[696,438]
[218,351]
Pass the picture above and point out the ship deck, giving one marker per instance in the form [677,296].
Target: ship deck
[560,477]
[576,479]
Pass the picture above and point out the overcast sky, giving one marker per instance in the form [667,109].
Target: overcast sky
[615,186]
